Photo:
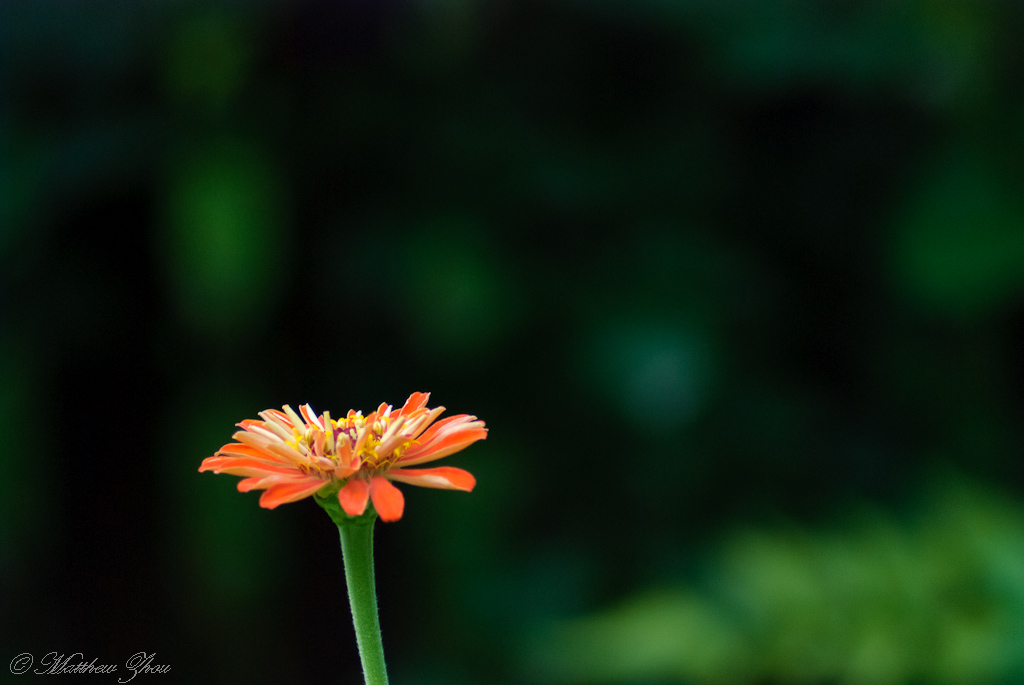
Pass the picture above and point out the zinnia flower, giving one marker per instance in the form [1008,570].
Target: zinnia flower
[293,457]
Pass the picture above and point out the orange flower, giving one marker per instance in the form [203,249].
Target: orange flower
[293,457]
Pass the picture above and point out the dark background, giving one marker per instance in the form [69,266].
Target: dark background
[738,288]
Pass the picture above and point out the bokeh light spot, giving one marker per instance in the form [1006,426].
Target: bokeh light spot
[224,237]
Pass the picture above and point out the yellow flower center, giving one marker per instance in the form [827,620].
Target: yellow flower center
[324,447]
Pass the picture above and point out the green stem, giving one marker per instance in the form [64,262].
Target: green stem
[357,550]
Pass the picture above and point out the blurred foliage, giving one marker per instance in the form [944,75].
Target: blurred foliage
[224,243]
[699,266]
[453,288]
[960,249]
[935,597]
[208,58]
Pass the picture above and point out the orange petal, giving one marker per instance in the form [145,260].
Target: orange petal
[286,452]
[310,416]
[442,448]
[387,499]
[346,456]
[264,432]
[253,440]
[262,482]
[353,496]
[342,472]
[209,464]
[423,420]
[275,425]
[237,448]
[283,493]
[247,484]
[258,472]
[417,400]
[281,416]
[440,425]
[446,428]
[266,480]
[215,462]
[220,464]
[443,477]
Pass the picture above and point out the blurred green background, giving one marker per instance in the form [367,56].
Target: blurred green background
[738,288]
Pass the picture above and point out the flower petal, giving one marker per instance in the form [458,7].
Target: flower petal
[364,434]
[353,496]
[346,457]
[286,452]
[244,466]
[237,448]
[281,428]
[341,472]
[423,421]
[257,442]
[291,491]
[417,400]
[310,416]
[450,444]
[447,422]
[282,417]
[443,477]
[266,480]
[247,484]
[387,499]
